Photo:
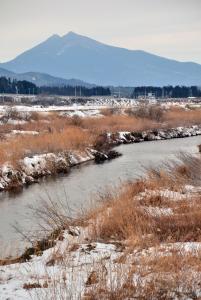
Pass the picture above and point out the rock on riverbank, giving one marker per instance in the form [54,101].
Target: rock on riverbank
[153,135]
[30,169]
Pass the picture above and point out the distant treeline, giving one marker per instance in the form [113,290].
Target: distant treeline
[167,91]
[9,86]
[75,91]
[13,86]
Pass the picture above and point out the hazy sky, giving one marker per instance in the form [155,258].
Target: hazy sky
[170,28]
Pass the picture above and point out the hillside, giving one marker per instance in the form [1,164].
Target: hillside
[76,56]
[42,79]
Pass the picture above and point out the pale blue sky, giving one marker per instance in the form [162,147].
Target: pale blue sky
[170,28]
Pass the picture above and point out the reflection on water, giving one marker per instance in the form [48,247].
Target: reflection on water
[79,186]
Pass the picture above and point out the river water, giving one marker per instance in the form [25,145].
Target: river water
[79,186]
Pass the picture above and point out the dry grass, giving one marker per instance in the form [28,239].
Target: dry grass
[149,264]
[145,111]
[116,123]
[123,216]
[180,117]
[71,138]
[59,133]
[171,276]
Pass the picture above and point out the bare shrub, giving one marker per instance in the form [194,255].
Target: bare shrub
[76,121]
[110,111]
[152,112]
[11,113]
[34,116]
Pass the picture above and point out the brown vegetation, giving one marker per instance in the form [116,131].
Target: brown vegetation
[149,261]
[172,276]
[181,117]
[60,133]
[153,265]
[71,138]
[151,112]
[124,217]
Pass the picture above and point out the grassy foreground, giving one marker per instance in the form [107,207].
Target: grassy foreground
[141,241]
[155,225]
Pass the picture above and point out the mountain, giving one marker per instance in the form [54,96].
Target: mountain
[41,79]
[76,56]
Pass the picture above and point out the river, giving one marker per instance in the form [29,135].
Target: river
[78,187]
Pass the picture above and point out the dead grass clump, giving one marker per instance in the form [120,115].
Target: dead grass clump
[174,275]
[179,228]
[110,111]
[154,201]
[29,286]
[161,178]
[173,261]
[35,116]
[76,121]
[181,117]
[11,113]
[115,123]
[121,217]
[189,169]
[175,174]
[72,138]
[56,258]
[151,112]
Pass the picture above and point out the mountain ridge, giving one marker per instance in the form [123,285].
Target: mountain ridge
[42,79]
[77,56]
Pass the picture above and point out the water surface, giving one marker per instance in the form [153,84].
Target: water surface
[79,186]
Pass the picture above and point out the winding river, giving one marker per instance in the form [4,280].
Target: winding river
[78,187]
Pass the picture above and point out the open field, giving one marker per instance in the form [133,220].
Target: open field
[35,133]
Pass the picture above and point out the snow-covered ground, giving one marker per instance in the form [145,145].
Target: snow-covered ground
[75,266]
[40,165]
[91,108]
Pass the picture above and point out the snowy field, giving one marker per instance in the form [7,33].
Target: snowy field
[76,267]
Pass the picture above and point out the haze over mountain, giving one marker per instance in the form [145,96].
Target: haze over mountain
[76,56]
[42,79]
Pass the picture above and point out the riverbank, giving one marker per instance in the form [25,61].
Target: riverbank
[30,169]
[141,241]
